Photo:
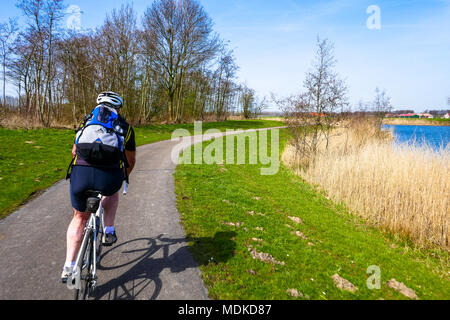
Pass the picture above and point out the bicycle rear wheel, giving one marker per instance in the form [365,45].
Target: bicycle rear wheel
[84,290]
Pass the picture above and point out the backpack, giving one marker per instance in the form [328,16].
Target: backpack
[100,138]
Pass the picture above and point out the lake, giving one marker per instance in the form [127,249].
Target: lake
[435,136]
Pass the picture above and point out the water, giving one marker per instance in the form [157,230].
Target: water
[435,136]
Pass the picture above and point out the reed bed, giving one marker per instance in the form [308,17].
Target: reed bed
[403,189]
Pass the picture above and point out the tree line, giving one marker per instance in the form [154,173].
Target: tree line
[168,65]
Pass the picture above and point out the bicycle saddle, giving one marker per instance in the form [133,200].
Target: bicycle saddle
[93,193]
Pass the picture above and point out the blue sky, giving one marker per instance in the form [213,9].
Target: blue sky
[274,43]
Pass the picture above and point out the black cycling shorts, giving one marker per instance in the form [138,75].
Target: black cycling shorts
[84,178]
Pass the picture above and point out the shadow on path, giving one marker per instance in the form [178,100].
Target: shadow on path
[142,280]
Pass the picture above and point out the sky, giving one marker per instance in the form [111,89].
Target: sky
[400,46]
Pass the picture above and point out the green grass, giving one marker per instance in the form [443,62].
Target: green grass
[439,120]
[337,242]
[33,160]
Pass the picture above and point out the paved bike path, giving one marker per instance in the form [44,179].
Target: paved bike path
[150,261]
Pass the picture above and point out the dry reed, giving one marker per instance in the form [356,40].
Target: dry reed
[402,189]
[16,120]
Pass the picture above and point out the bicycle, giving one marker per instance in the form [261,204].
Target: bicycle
[84,278]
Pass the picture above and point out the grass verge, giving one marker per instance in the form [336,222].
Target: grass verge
[33,160]
[274,237]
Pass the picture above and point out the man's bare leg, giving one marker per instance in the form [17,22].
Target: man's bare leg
[110,205]
[75,234]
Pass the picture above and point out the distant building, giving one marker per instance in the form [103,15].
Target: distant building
[408,115]
[447,116]
[426,115]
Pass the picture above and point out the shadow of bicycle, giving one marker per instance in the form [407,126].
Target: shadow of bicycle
[145,258]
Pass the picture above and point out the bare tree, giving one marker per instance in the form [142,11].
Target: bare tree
[261,106]
[313,114]
[224,75]
[182,33]
[7,34]
[79,70]
[118,48]
[43,17]
[381,105]
[53,13]
[248,101]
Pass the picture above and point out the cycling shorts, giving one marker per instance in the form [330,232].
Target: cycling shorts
[84,178]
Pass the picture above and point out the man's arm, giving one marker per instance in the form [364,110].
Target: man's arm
[131,158]
[74,151]
[130,150]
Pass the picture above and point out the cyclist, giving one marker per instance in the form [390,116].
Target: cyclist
[105,178]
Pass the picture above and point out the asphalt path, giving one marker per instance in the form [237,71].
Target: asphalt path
[150,261]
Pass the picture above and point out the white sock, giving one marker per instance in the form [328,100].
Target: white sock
[69,264]
[109,230]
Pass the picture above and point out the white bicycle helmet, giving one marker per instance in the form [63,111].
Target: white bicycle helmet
[110,98]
